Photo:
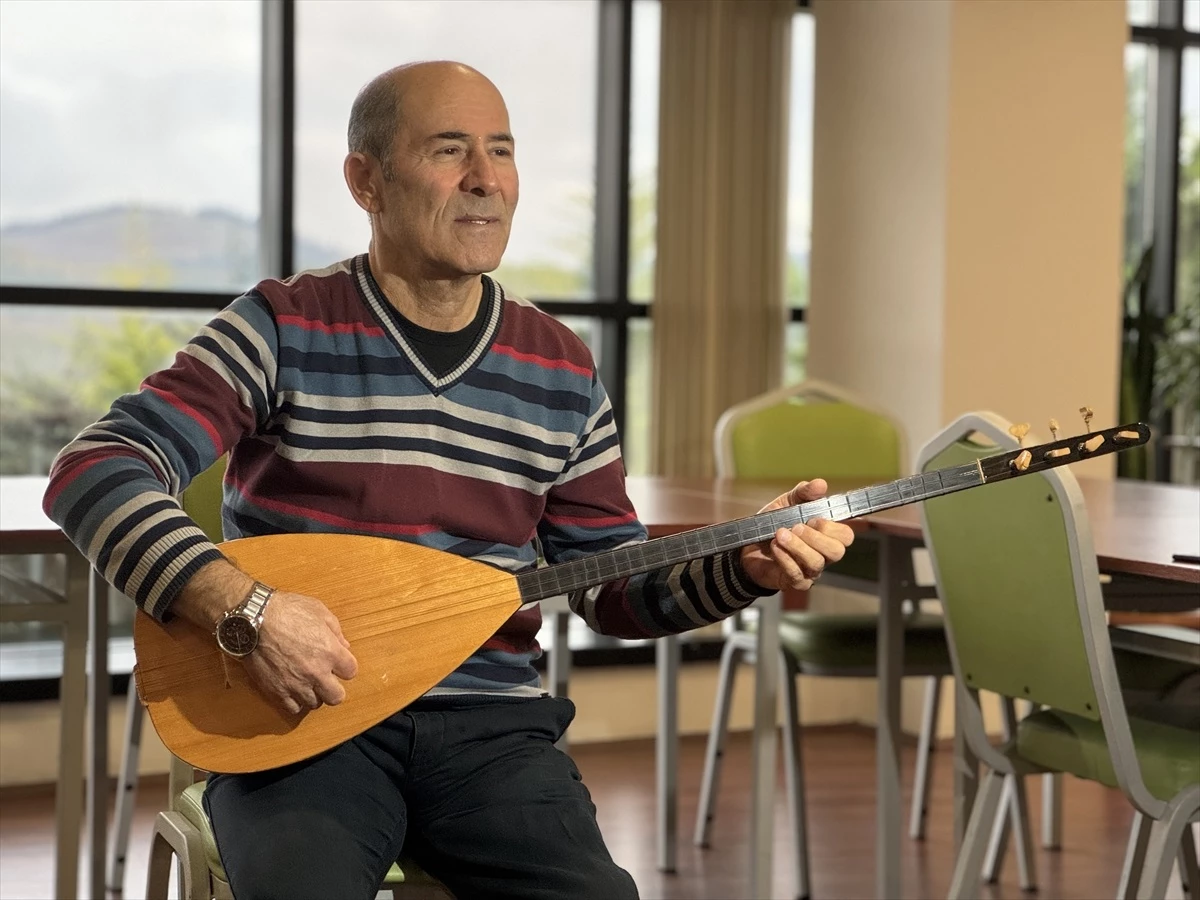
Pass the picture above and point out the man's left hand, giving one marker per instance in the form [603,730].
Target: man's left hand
[795,558]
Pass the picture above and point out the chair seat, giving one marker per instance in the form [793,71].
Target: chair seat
[1169,756]
[191,806]
[848,641]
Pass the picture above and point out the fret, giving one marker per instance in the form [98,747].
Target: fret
[839,508]
[930,483]
[857,502]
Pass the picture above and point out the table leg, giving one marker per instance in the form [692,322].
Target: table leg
[560,665]
[68,793]
[893,574]
[98,696]
[766,705]
[666,751]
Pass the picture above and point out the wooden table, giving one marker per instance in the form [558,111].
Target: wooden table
[25,530]
[1136,528]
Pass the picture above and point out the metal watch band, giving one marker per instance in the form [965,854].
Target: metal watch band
[255,604]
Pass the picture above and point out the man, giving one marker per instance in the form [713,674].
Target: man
[401,393]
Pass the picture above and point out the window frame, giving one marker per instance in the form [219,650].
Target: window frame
[1168,38]
[611,307]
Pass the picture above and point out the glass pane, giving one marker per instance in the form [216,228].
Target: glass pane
[1191,15]
[1143,12]
[1187,290]
[643,150]
[1139,63]
[542,57]
[799,217]
[61,368]
[635,442]
[1178,373]
[795,348]
[130,144]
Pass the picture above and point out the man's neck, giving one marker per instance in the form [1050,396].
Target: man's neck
[436,304]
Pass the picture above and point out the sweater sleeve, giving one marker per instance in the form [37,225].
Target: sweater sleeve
[588,511]
[113,489]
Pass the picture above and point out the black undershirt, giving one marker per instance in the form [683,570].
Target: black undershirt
[444,351]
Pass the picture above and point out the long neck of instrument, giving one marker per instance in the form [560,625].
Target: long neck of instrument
[660,553]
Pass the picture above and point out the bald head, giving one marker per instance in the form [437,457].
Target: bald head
[377,112]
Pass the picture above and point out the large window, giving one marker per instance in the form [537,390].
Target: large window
[1161,349]
[129,161]
[157,159]
[160,158]
[129,144]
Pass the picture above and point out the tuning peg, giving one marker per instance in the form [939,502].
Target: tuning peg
[1054,429]
[1019,432]
[1086,412]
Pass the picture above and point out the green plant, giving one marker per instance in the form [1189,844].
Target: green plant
[1177,379]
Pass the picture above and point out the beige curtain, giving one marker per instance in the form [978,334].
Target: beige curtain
[719,284]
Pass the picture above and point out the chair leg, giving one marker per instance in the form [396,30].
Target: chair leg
[1018,813]
[921,781]
[1012,814]
[126,792]
[1162,849]
[1052,810]
[967,867]
[1189,868]
[715,751]
[998,841]
[175,836]
[158,874]
[1135,857]
[794,766]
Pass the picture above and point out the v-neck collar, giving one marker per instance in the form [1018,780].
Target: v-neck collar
[388,317]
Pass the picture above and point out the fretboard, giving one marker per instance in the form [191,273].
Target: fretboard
[660,553]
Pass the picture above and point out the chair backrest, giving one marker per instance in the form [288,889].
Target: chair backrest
[809,430]
[202,499]
[1018,580]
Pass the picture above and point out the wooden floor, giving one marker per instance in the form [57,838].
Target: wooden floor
[840,780]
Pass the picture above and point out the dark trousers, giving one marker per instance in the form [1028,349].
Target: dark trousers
[484,799]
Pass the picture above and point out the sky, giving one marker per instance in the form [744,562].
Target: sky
[126,101]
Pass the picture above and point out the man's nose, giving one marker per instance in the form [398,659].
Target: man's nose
[480,178]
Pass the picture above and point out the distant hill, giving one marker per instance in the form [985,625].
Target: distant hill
[131,247]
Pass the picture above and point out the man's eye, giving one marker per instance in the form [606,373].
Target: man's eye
[449,150]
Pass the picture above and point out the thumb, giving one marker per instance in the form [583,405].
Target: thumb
[345,666]
[808,490]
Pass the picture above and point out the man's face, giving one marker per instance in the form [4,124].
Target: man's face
[450,184]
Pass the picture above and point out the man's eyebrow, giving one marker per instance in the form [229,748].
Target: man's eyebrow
[502,136]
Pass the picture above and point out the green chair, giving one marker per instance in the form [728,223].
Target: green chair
[804,431]
[1017,576]
[183,830]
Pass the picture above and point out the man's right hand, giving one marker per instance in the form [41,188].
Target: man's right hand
[302,656]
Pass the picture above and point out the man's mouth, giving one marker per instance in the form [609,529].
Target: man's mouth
[477,220]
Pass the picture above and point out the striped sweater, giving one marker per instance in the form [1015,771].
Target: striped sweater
[334,424]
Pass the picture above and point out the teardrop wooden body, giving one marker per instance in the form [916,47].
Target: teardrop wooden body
[411,614]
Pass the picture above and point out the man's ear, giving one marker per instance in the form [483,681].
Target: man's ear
[363,178]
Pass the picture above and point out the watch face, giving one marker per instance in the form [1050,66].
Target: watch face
[237,636]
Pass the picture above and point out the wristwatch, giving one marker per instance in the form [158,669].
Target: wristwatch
[237,630]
